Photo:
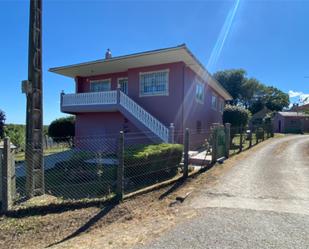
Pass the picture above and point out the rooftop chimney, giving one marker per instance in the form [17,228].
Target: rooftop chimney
[108,54]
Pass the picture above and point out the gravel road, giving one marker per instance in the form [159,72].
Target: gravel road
[262,202]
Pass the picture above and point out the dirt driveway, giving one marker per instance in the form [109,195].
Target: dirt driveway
[262,202]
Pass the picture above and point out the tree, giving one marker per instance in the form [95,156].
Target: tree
[235,115]
[250,92]
[238,117]
[16,133]
[275,99]
[232,80]
[256,106]
[2,122]
[62,129]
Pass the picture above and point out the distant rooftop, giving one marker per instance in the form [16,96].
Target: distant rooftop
[293,114]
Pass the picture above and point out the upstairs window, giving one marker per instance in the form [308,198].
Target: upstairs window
[214,100]
[154,83]
[100,85]
[199,92]
[221,105]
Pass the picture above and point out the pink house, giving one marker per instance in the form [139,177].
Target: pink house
[159,93]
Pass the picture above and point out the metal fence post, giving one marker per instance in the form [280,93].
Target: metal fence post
[256,136]
[120,170]
[186,154]
[250,138]
[227,139]
[241,139]
[7,186]
[214,143]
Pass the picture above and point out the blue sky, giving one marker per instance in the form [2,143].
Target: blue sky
[269,39]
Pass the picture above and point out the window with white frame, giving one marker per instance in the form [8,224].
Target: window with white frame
[221,105]
[199,92]
[154,83]
[214,100]
[100,85]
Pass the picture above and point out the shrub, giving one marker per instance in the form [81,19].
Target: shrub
[2,121]
[62,129]
[143,161]
[235,115]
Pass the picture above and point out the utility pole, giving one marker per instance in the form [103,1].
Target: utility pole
[34,116]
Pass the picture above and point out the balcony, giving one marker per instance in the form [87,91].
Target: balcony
[89,102]
[115,101]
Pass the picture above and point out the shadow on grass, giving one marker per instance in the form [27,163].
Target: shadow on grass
[87,225]
[53,208]
[182,181]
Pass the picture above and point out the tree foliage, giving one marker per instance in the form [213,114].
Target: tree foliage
[16,133]
[275,99]
[250,92]
[2,121]
[232,80]
[237,116]
[62,128]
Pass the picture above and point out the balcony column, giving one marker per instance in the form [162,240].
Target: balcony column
[171,134]
[61,99]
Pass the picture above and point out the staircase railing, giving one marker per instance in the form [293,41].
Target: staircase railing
[144,117]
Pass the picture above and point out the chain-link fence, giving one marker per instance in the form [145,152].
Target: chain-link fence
[95,168]
[88,167]
[83,167]
[149,162]
[242,138]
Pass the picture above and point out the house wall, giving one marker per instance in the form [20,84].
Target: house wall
[153,104]
[195,111]
[99,131]
[278,118]
[179,107]
[83,83]
[291,124]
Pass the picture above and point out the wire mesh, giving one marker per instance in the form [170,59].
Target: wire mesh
[83,167]
[88,167]
[243,138]
[149,162]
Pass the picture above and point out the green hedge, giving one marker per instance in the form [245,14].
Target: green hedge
[144,165]
[144,160]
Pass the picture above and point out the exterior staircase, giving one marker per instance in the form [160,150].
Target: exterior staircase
[118,101]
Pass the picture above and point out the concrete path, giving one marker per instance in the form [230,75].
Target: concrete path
[263,202]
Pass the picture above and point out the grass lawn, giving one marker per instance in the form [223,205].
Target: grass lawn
[20,156]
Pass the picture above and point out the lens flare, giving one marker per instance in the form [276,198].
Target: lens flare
[225,30]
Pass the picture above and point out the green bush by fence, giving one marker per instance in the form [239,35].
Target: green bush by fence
[143,160]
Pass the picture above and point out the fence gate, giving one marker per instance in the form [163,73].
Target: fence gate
[218,142]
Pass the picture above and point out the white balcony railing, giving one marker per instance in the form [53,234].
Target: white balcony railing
[91,98]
